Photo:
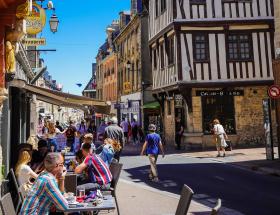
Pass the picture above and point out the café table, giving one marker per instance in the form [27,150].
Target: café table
[107,204]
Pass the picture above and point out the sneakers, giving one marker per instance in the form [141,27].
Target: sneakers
[155,179]
[218,155]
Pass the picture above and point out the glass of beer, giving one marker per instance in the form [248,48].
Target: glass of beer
[82,192]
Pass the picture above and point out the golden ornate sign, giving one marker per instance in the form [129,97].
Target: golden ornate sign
[127,87]
[35,22]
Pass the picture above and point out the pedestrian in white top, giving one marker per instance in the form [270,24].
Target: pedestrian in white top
[220,136]
[124,125]
[23,172]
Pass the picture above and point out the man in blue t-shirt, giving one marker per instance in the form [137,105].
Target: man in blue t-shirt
[153,144]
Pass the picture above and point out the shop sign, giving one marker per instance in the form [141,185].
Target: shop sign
[127,87]
[178,100]
[117,106]
[204,93]
[34,41]
[36,20]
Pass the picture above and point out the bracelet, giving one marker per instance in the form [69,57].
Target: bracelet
[61,179]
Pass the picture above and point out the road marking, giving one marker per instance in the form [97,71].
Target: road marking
[219,178]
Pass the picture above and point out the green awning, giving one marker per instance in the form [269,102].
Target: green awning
[151,105]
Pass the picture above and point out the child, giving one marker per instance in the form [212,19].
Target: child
[108,150]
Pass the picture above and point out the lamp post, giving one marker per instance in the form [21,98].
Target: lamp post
[53,23]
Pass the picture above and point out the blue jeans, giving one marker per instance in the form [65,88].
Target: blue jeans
[52,142]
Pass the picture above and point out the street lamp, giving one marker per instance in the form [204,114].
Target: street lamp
[54,23]
[128,65]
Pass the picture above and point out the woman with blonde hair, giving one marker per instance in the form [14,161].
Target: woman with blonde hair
[23,172]
[220,136]
[108,150]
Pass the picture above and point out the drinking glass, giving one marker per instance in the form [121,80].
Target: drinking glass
[82,192]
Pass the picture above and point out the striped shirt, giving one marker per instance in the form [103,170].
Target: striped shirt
[97,170]
[42,196]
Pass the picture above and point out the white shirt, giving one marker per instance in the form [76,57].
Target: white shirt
[124,126]
[24,174]
[219,129]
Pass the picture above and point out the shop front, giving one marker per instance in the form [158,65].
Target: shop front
[239,110]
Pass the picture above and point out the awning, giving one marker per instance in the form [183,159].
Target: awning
[151,105]
[62,99]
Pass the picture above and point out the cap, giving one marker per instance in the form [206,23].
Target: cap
[152,127]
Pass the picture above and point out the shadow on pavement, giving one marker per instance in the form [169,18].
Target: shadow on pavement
[240,190]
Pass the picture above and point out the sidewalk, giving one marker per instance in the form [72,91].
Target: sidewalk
[135,199]
[254,159]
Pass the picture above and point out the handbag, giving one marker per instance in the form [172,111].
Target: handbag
[229,145]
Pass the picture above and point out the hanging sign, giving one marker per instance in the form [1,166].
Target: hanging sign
[36,20]
[274,92]
[178,101]
[34,41]
[127,87]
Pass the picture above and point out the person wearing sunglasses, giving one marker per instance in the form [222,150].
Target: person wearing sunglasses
[47,190]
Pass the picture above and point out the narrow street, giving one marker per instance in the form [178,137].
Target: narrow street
[241,190]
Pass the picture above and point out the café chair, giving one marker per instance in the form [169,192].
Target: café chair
[7,206]
[70,183]
[14,190]
[115,169]
[185,200]
[217,207]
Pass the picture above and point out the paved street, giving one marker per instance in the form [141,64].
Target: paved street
[242,190]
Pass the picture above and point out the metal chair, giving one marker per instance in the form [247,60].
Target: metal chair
[71,183]
[217,208]
[115,169]
[185,201]
[7,205]
[14,190]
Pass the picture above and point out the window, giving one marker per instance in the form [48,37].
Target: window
[239,47]
[163,6]
[155,58]
[156,7]
[201,47]
[161,56]
[170,50]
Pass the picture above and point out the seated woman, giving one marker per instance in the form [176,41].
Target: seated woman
[23,172]
[108,150]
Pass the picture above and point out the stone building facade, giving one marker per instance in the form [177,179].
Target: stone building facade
[106,63]
[212,59]
[134,77]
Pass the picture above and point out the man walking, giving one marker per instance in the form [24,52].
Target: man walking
[115,132]
[153,144]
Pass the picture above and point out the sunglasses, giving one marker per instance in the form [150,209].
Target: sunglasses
[59,164]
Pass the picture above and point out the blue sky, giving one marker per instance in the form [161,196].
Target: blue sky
[80,33]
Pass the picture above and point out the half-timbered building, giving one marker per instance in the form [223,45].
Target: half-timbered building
[212,59]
